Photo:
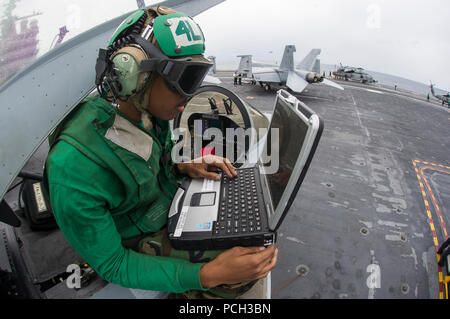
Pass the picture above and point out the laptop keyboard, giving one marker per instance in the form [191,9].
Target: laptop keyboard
[239,209]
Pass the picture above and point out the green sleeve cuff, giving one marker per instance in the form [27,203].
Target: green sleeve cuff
[189,276]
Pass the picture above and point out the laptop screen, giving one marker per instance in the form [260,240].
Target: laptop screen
[292,132]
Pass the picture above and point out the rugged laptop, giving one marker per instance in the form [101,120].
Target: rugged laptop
[248,209]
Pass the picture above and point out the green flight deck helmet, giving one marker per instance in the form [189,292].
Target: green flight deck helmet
[156,41]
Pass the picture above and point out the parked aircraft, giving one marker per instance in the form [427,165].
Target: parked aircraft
[354,74]
[445,99]
[286,74]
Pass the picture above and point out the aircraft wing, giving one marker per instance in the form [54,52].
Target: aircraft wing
[331,83]
[264,64]
[296,82]
[268,75]
[212,79]
[35,101]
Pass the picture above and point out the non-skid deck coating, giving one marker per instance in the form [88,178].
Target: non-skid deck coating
[362,226]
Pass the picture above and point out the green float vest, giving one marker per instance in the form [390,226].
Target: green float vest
[147,179]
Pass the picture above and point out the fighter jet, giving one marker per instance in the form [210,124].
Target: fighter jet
[286,74]
[444,98]
[247,63]
[354,74]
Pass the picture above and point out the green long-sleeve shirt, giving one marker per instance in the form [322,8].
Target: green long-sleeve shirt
[84,197]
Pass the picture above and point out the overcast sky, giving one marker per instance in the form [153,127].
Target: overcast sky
[407,38]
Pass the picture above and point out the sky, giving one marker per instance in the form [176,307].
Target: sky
[406,38]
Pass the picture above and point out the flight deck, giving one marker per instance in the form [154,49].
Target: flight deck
[375,205]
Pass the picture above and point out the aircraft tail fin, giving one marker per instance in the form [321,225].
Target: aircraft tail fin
[245,65]
[287,63]
[213,70]
[309,62]
[432,89]
[316,67]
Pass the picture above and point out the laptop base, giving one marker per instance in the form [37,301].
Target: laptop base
[207,241]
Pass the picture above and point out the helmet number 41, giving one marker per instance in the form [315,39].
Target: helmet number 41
[185,33]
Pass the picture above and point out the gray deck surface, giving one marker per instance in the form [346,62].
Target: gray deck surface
[361,202]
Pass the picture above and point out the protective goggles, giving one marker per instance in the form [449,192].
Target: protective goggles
[182,75]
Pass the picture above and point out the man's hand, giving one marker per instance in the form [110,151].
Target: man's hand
[239,264]
[207,166]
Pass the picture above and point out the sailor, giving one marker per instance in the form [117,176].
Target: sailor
[110,175]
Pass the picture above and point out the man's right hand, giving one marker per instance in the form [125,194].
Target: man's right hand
[239,264]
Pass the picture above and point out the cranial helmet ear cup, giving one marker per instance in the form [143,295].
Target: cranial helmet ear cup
[126,66]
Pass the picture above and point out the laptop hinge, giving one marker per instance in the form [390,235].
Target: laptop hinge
[269,209]
[266,192]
